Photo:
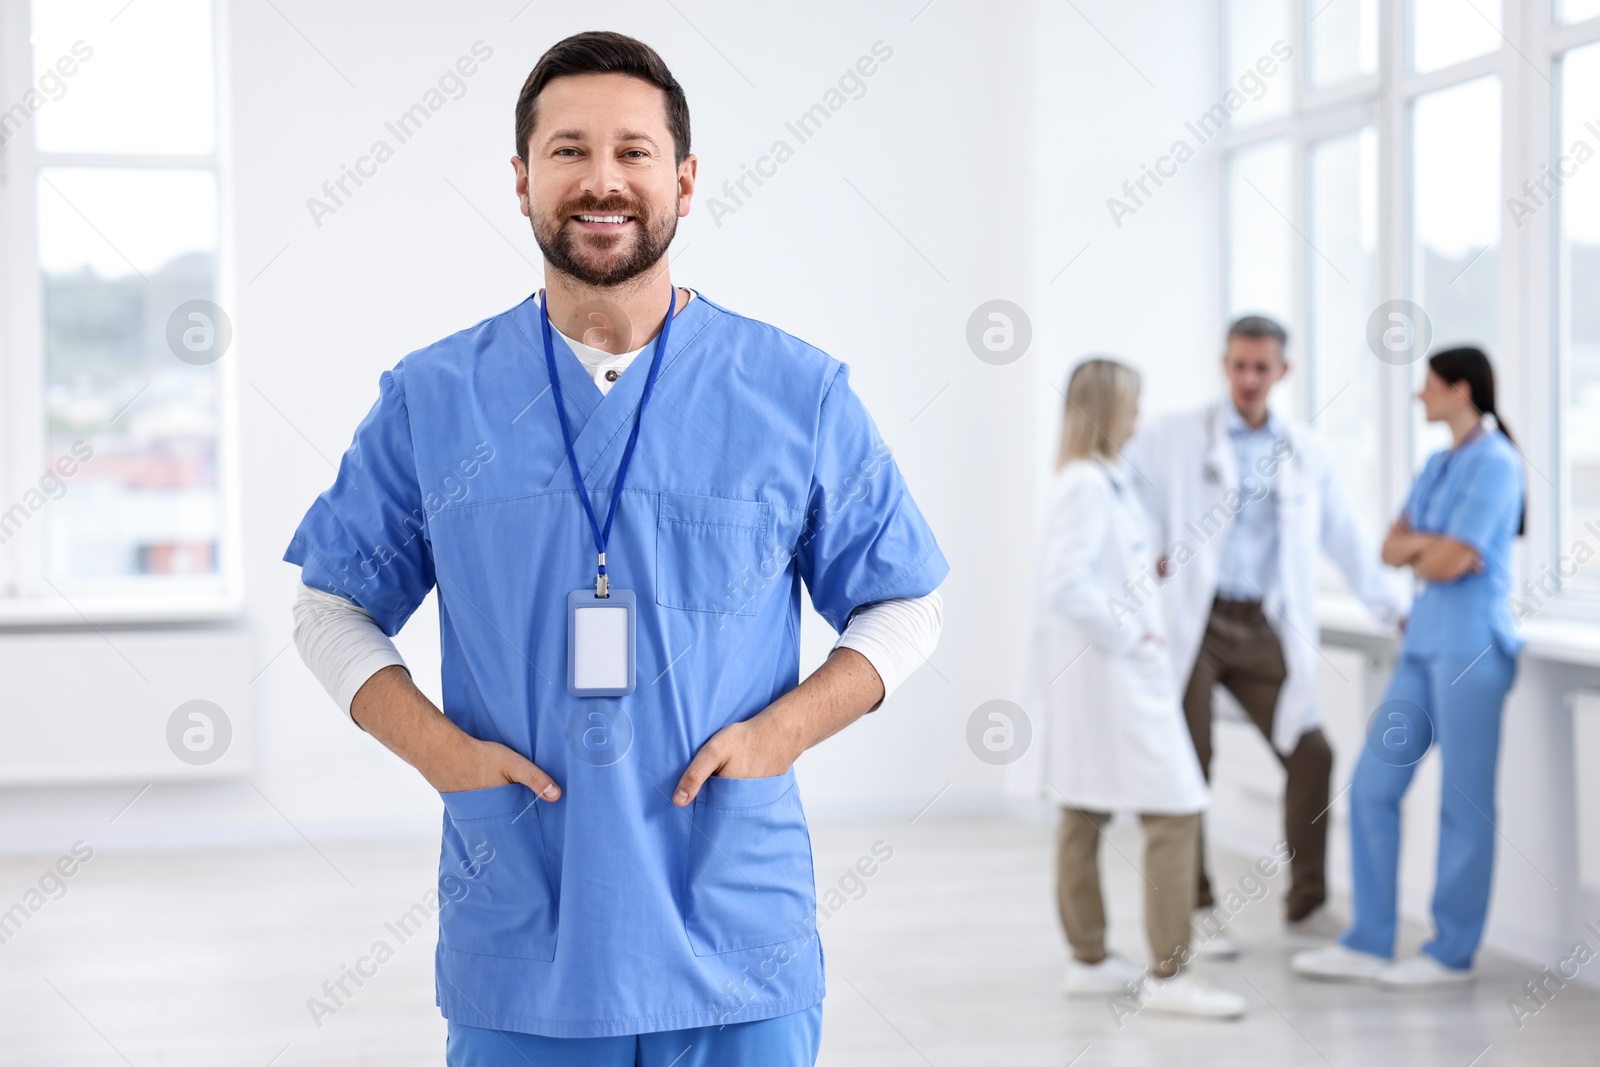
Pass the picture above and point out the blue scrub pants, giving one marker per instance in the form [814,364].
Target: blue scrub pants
[786,1041]
[1460,710]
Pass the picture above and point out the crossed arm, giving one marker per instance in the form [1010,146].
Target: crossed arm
[1434,557]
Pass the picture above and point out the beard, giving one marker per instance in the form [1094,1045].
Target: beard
[604,260]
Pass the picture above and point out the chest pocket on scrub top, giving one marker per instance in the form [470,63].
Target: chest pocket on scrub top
[709,553]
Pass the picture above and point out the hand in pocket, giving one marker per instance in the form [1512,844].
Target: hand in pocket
[486,764]
[748,749]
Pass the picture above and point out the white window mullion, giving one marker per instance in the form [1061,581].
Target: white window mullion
[1300,279]
[1526,279]
[1567,294]
[1394,221]
[23,441]
[230,547]
[1304,391]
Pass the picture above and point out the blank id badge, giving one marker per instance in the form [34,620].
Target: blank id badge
[600,643]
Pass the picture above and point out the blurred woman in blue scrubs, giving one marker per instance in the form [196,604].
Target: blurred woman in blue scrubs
[1457,662]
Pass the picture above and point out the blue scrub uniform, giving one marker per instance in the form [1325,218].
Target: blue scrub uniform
[1457,663]
[787,1041]
[612,912]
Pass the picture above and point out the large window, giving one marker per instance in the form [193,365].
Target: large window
[117,495]
[1342,43]
[1301,204]
[1261,248]
[1342,216]
[1455,224]
[1250,34]
[1435,166]
[1443,33]
[1578,302]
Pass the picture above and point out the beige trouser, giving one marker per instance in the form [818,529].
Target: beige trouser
[1170,850]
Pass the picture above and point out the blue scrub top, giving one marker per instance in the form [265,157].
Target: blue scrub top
[1473,494]
[758,469]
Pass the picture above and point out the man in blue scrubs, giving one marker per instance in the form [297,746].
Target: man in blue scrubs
[626,869]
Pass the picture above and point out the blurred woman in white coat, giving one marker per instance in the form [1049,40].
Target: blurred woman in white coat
[1117,739]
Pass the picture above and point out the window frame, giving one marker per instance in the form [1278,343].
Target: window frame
[1527,282]
[27,597]
[1558,40]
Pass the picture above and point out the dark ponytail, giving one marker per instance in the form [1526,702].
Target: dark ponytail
[1470,365]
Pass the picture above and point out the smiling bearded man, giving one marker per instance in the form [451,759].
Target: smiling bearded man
[619,612]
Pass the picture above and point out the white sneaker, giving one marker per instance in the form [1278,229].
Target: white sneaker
[1421,972]
[1111,975]
[1315,930]
[1335,963]
[1209,939]
[1186,994]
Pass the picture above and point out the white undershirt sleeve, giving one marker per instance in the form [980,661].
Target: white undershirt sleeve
[897,636]
[341,644]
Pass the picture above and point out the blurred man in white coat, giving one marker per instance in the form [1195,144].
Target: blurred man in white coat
[1244,503]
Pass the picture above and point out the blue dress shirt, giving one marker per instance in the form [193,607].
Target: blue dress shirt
[1250,554]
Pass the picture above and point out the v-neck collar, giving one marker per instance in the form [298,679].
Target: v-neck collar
[599,419]
[1115,472]
[1233,421]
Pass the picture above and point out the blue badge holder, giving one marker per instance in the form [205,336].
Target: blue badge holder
[601,643]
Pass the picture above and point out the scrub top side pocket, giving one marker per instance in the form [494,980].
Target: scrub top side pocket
[709,553]
[749,881]
[495,895]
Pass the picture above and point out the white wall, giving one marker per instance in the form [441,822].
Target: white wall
[875,242]
[976,166]
[1115,84]
[939,189]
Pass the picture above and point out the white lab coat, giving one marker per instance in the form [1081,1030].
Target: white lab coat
[1185,471]
[1115,738]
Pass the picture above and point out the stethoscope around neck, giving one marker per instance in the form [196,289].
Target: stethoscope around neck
[1111,475]
[1211,470]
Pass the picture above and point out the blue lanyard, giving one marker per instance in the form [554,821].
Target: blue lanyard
[601,536]
[1425,505]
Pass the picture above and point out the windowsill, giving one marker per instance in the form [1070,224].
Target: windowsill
[1345,622]
[1572,641]
[117,611]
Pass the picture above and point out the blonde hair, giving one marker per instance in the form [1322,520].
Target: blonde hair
[1102,395]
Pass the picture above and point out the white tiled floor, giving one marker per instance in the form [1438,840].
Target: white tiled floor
[950,957]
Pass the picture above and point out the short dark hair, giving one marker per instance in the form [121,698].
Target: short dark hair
[1258,326]
[603,52]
